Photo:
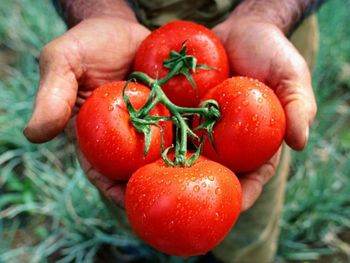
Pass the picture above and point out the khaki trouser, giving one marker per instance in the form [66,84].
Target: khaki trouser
[255,236]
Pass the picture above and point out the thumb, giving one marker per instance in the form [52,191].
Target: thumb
[299,104]
[56,93]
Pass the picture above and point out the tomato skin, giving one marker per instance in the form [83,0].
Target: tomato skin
[183,211]
[251,127]
[201,43]
[106,136]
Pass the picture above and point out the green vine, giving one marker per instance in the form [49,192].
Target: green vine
[208,111]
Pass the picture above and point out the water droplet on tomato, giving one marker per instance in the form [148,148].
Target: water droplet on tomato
[211,177]
[193,179]
[218,191]
[272,121]
[255,117]
[180,180]
[245,102]
[217,216]
[106,94]
[260,99]
[196,188]
[97,127]
[264,95]
[204,185]
[110,108]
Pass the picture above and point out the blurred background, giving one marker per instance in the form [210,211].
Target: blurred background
[50,213]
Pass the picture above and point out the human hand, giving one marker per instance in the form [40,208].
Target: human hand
[259,49]
[95,51]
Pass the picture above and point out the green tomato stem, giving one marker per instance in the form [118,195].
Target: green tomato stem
[179,63]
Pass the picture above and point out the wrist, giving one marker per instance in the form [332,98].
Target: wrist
[75,11]
[284,14]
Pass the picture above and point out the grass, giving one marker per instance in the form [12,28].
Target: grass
[50,212]
[317,209]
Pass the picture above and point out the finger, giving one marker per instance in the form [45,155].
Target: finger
[114,191]
[56,93]
[252,183]
[298,101]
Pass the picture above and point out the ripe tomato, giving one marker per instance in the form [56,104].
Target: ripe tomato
[106,136]
[183,211]
[252,125]
[201,43]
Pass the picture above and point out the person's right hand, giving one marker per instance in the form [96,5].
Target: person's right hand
[95,51]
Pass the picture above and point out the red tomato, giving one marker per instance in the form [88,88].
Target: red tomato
[183,211]
[252,125]
[106,136]
[201,43]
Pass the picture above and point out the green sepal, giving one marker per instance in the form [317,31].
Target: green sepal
[181,63]
[203,66]
[188,76]
[129,107]
[165,156]
[211,118]
[147,132]
[194,157]
[142,123]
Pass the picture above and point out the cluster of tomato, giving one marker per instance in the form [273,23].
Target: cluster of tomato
[181,204]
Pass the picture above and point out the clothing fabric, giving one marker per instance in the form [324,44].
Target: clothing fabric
[158,12]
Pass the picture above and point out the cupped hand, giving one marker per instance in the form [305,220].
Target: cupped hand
[95,51]
[260,50]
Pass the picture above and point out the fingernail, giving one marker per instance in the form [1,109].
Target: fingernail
[307,130]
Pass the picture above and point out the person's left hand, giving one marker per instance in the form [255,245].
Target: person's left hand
[260,50]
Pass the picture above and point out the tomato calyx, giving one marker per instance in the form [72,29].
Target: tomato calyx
[181,63]
[209,111]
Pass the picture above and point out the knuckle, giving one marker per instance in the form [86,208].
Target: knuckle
[47,51]
[54,50]
[313,110]
[270,170]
